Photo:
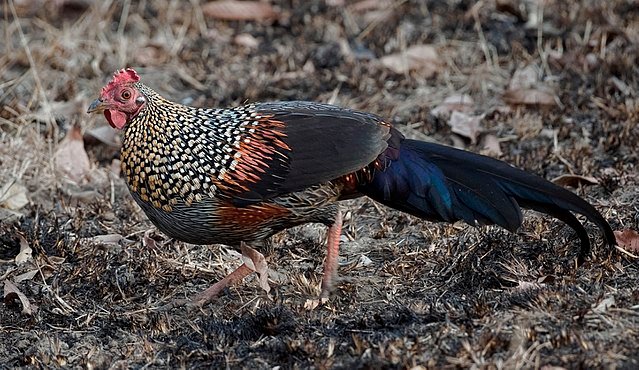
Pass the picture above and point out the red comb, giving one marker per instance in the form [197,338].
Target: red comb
[122,77]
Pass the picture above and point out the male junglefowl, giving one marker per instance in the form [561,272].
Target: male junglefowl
[239,175]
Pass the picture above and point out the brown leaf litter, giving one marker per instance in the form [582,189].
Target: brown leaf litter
[232,10]
[11,293]
[628,239]
[421,58]
[71,159]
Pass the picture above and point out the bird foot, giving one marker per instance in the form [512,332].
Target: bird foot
[212,292]
[197,302]
[253,261]
[256,261]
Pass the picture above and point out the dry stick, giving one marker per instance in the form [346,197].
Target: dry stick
[122,44]
[377,21]
[622,250]
[540,38]
[557,153]
[402,48]
[199,17]
[178,40]
[543,55]
[32,64]
[5,188]
[483,43]
[45,102]
[201,24]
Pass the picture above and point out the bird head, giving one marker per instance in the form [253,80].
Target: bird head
[120,99]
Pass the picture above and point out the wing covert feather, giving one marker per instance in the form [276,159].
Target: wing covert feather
[324,142]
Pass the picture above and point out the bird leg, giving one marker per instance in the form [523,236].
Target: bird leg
[256,261]
[234,277]
[253,261]
[332,252]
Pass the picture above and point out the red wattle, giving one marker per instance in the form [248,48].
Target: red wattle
[115,118]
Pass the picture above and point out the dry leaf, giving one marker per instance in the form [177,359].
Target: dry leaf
[71,159]
[524,286]
[13,196]
[491,146]
[377,16]
[460,103]
[110,239]
[363,261]
[26,253]
[150,56]
[549,279]
[8,216]
[56,260]
[604,305]
[366,5]
[466,125]
[232,10]
[373,11]
[525,88]
[525,78]
[628,239]
[85,196]
[530,97]
[422,58]
[575,180]
[247,40]
[11,292]
[26,276]
[335,2]
[159,240]
[58,109]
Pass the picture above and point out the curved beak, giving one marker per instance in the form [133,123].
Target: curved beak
[97,106]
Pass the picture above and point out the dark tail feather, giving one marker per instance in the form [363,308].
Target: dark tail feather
[573,222]
[441,183]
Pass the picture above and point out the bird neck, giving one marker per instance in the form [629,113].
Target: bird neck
[172,152]
[164,120]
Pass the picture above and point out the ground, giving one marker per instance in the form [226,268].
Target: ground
[549,86]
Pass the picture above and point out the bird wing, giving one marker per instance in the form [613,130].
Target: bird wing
[300,144]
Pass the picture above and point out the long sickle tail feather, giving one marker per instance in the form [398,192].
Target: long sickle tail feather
[441,183]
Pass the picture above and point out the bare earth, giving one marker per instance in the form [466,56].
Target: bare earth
[553,85]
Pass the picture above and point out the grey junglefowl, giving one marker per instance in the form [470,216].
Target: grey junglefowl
[236,176]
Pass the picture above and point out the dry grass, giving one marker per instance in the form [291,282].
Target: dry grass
[412,293]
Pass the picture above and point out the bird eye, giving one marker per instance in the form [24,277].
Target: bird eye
[126,94]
